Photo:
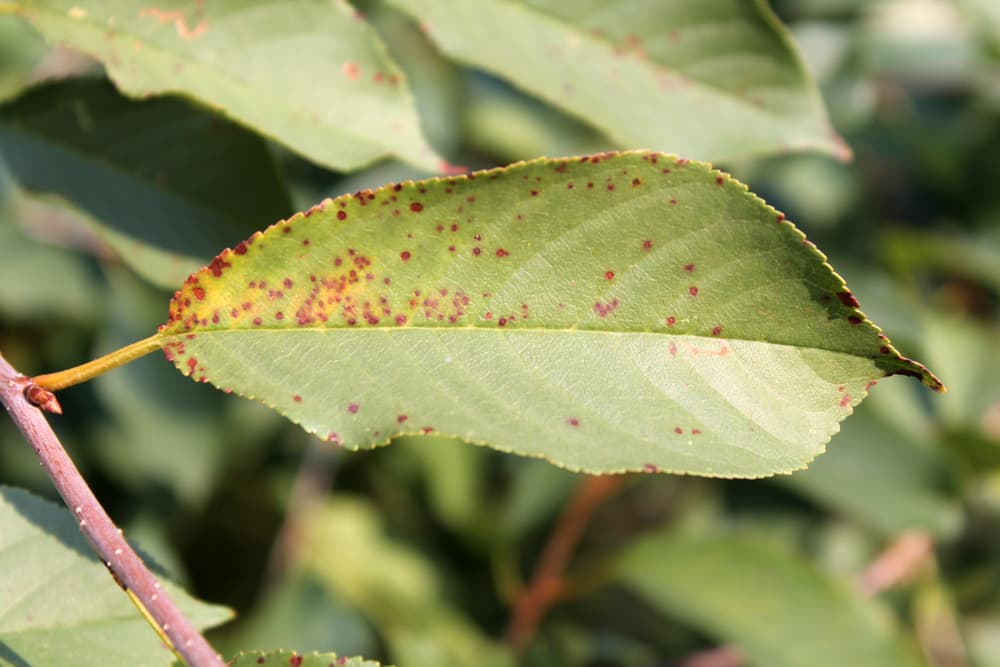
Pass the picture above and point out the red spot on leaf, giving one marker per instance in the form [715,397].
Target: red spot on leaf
[199,293]
[351,70]
[192,363]
[689,268]
[678,430]
[696,431]
[218,265]
[502,253]
[573,421]
[636,182]
[405,255]
[671,321]
[845,400]
[416,207]
[353,408]
[401,418]
[609,275]
[854,319]
[649,467]
[341,215]
[716,330]
[693,291]
[848,299]
[605,309]
[297,398]
[719,180]
[647,245]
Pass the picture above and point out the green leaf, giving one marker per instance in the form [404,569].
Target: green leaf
[161,182]
[710,80]
[777,608]
[397,587]
[70,291]
[60,606]
[20,53]
[285,658]
[882,477]
[308,73]
[299,611]
[616,312]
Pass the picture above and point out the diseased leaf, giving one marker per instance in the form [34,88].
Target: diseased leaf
[161,182]
[710,80]
[60,607]
[775,607]
[609,313]
[309,73]
[285,658]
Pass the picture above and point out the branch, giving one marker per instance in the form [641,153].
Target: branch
[107,541]
[548,583]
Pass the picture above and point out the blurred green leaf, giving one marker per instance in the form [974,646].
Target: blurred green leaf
[301,612]
[398,588]
[168,181]
[20,53]
[777,608]
[709,80]
[308,73]
[876,474]
[40,282]
[60,605]
[975,258]
[511,126]
[971,352]
[454,475]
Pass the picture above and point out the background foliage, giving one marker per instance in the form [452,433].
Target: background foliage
[414,553]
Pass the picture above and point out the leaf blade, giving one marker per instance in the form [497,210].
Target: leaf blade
[697,578]
[65,608]
[707,80]
[257,63]
[663,307]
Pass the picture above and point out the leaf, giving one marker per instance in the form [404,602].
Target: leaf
[164,183]
[616,312]
[299,611]
[711,80]
[310,74]
[69,290]
[882,477]
[285,658]
[778,609]
[20,53]
[60,607]
[397,587]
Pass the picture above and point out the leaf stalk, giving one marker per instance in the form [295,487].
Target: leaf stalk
[91,369]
